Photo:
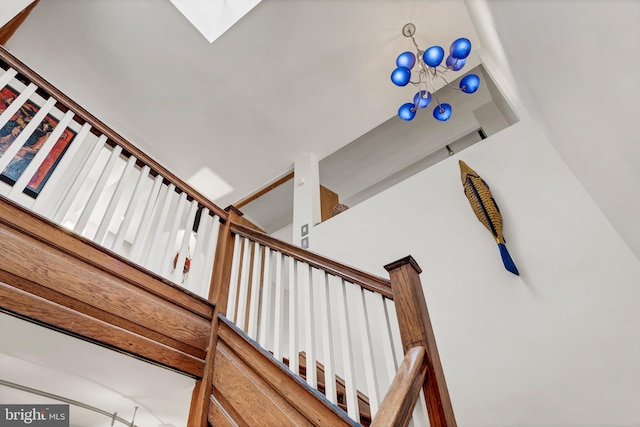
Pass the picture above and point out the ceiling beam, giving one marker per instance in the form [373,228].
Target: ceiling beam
[250,198]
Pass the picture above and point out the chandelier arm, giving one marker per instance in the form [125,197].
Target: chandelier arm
[450,85]
[415,44]
[433,90]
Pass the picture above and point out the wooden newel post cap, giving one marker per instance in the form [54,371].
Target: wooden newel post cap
[233,209]
[402,262]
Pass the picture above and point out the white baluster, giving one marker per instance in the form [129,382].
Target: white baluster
[58,183]
[142,233]
[168,255]
[152,253]
[79,180]
[17,144]
[254,302]
[367,349]
[351,396]
[392,317]
[245,281]
[16,104]
[132,203]
[123,182]
[306,286]
[43,152]
[190,280]
[178,275]
[278,315]
[209,252]
[97,191]
[265,317]
[7,76]
[235,275]
[294,362]
[390,362]
[327,341]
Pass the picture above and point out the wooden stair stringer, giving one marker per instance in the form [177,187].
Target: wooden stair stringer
[363,401]
[246,377]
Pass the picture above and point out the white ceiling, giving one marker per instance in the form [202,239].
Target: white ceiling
[290,77]
[52,362]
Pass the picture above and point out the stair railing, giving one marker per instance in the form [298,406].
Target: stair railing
[302,306]
[61,162]
[293,302]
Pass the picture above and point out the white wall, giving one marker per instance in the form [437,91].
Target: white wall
[576,64]
[557,346]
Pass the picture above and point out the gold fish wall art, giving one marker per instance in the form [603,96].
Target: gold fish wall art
[486,209]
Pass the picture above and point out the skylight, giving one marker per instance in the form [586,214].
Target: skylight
[209,184]
[213,17]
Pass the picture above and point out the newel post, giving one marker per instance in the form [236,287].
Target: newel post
[218,294]
[416,330]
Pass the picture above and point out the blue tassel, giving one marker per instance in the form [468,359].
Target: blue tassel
[506,259]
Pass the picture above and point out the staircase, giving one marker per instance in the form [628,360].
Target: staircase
[197,288]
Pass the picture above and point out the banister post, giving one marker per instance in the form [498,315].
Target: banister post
[416,330]
[218,294]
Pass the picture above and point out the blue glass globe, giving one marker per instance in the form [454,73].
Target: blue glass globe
[422,99]
[406,59]
[407,111]
[458,64]
[401,76]
[433,56]
[460,48]
[470,83]
[442,112]
[451,61]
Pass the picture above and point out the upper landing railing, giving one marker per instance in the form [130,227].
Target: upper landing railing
[61,162]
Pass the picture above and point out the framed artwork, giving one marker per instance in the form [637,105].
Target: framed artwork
[12,129]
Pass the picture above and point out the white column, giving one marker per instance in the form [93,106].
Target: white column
[306,197]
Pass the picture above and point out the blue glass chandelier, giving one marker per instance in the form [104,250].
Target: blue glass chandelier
[427,65]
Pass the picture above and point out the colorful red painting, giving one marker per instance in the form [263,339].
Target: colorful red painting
[12,129]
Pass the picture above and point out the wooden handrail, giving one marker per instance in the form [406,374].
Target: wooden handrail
[84,115]
[397,407]
[353,275]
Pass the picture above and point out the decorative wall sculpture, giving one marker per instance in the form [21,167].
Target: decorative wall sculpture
[486,209]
